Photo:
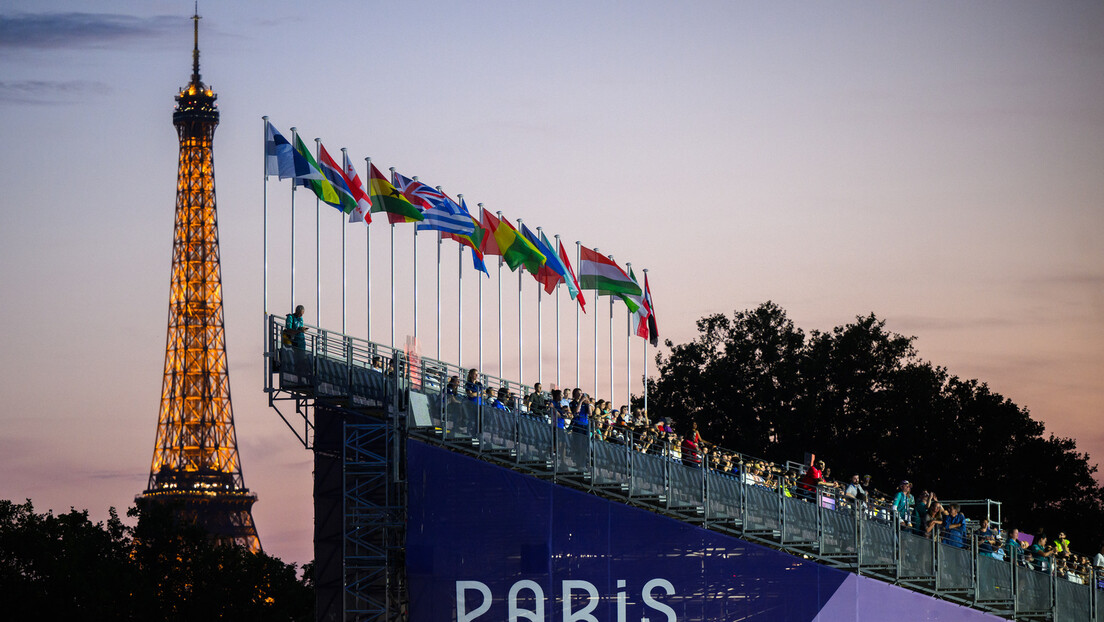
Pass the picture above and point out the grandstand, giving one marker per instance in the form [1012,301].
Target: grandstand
[431,506]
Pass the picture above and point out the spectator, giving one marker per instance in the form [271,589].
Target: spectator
[691,455]
[854,490]
[1061,545]
[954,528]
[1098,561]
[452,391]
[473,389]
[813,478]
[1014,547]
[1041,554]
[294,329]
[501,399]
[987,538]
[903,502]
[536,402]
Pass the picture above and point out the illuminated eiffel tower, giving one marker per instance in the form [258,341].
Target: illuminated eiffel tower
[195,468]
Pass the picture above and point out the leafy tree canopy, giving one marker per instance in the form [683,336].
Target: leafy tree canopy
[860,397]
[67,567]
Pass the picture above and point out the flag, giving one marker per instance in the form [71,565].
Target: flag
[322,187]
[283,160]
[363,209]
[278,153]
[552,272]
[387,198]
[440,212]
[516,250]
[489,245]
[572,283]
[653,330]
[472,240]
[336,176]
[640,316]
[598,272]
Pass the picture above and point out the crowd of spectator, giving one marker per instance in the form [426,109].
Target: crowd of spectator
[923,515]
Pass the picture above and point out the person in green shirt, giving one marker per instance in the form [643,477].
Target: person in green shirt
[296,330]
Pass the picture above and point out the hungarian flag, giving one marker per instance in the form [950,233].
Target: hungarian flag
[598,272]
[387,198]
[363,210]
[572,283]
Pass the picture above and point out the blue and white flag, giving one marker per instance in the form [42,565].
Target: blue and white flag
[441,213]
[279,154]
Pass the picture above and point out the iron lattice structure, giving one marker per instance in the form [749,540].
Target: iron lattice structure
[195,467]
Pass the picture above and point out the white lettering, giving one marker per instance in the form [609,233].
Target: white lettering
[621,600]
[582,615]
[516,613]
[462,587]
[646,593]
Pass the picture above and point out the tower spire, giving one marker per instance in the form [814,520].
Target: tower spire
[195,49]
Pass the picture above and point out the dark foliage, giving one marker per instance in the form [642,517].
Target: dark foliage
[67,567]
[860,397]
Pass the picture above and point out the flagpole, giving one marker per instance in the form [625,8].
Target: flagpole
[479,359]
[499,308]
[294,183]
[612,395]
[265,245]
[578,255]
[558,317]
[628,349]
[318,242]
[265,226]
[368,251]
[392,285]
[460,296]
[415,269]
[645,389]
[521,352]
[540,340]
[344,299]
[596,338]
[440,239]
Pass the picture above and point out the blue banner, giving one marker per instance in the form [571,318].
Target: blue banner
[488,544]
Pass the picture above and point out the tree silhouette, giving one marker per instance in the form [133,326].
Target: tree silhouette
[860,396]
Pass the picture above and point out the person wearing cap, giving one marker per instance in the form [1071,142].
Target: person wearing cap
[903,502]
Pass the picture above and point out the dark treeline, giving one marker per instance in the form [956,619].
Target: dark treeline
[861,398]
[65,567]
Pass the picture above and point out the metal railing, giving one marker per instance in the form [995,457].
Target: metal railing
[860,536]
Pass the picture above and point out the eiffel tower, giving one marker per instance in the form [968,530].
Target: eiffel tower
[196,469]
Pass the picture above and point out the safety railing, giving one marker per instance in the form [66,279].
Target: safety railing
[825,525]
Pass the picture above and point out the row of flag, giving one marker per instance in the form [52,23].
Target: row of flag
[407,200]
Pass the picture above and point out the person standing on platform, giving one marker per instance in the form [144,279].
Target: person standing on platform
[295,329]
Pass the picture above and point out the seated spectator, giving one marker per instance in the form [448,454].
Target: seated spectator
[452,390]
[1041,554]
[1014,547]
[473,389]
[987,538]
[501,399]
[903,502]
[954,528]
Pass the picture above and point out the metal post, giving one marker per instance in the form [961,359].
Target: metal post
[318,242]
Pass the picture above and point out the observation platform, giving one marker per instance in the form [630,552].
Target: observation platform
[408,394]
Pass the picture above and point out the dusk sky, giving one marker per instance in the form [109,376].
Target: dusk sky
[940,164]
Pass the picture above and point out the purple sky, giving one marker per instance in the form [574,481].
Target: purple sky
[939,164]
